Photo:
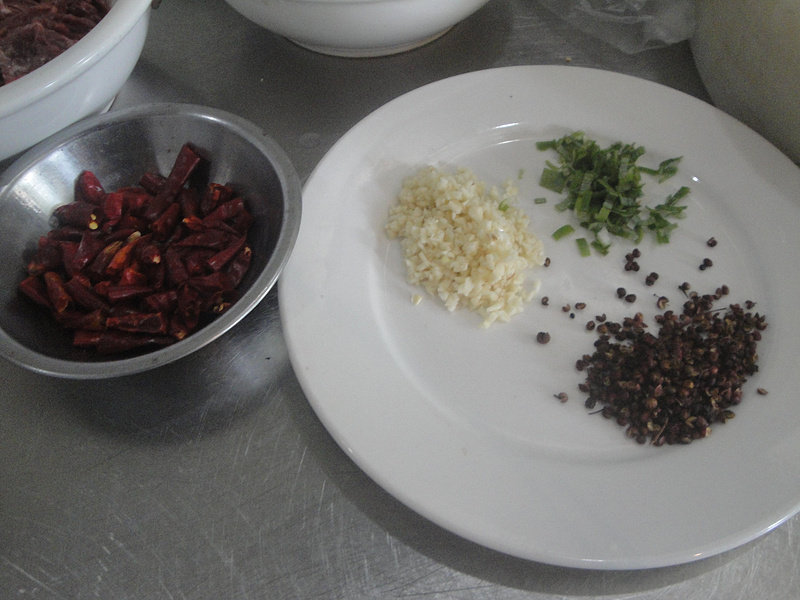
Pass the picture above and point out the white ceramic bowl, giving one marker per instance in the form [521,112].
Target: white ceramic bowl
[79,82]
[358,27]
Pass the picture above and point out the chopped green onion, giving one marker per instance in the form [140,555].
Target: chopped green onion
[604,212]
[552,179]
[658,222]
[540,200]
[601,247]
[665,170]
[682,192]
[583,203]
[503,206]
[563,231]
[603,188]
[583,246]
[565,204]
[546,145]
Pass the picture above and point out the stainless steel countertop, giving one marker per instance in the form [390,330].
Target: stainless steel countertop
[212,478]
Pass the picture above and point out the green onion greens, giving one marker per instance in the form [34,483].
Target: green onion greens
[603,188]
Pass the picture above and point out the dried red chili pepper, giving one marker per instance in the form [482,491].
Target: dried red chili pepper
[190,306]
[113,204]
[68,252]
[65,232]
[225,226]
[224,211]
[190,204]
[121,309]
[139,323]
[91,321]
[196,260]
[122,256]
[85,296]
[131,275]
[134,199]
[215,194]
[118,293]
[33,287]
[223,257]
[83,280]
[176,270]
[101,288]
[152,182]
[177,328]
[148,251]
[164,302]
[97,267]
[185,163]
[59,298]
[89,189]
[142,265]
[157,275]
[88,248]
[85,338]
[242,222]
[132,223]
[218,281]
[119,234]
[114,342]
[48,257]
[78,213]
[210,238]
[193,223]
[240,265]
[164,225]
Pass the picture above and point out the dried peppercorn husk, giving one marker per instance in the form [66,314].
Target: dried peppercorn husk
[671,386]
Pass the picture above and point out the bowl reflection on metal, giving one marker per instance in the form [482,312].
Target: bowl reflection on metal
[119,147]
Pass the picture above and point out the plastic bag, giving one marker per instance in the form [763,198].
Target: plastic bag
[630,25]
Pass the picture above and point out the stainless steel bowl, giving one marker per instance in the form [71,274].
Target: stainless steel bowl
[119,147]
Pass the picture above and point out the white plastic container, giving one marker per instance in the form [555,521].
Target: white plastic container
[748,55]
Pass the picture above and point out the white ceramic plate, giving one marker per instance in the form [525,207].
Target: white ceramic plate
[460,422]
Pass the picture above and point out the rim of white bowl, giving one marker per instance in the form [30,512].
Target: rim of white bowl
[121,18]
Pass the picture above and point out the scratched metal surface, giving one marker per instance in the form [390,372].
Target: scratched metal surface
[211,478]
